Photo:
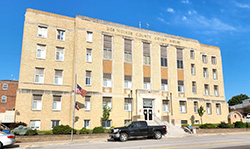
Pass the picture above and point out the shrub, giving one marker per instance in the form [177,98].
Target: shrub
[231,125]
[248,125]
[98,130]
[84,131]
[62,129]
[208,126]
[16,124]
[31,132]
[239,124]
[47,133]
[223,125]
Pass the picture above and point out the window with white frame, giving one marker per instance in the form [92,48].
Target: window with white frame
[39,75]
[127,82]
[204,58]
[127,104]
[179,58]
[194,87]
[146,83]
[5,87]
[164,85]
[183,106]
[41,51]
[4,99]
[195,106]
[205,73]
[88,77]
[58,77]
[165,104]
[107,47]
[106,124]
[192,54]
[128,50]
[218,109]
[35,124]
[89,37]
[89,55]
[87,104]
[107,80]
[56,103]
[164,56]
[59,54]
[206,86]
[42,32]
[213,59]
[107,101]
[54,123]
[193,69]
[146,53]
[214,74]
[216,90]
[60,35]
[209,108]
[181,86]
[37,102]
[86,124]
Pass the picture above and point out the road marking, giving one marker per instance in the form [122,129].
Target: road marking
[195,145]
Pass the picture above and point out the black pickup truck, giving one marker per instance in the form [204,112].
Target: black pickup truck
[137,129]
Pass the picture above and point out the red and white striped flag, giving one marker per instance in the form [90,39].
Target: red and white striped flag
[81,91]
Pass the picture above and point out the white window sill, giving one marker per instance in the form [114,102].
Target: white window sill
[58,84]
[60,40]
[39,82]
[40,58]
[87,110]
[42,37]
[127,110]
[36,110]
[88,85]
[59,60]
[54,110]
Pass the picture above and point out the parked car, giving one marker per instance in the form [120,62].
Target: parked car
[6,139]
[137,129]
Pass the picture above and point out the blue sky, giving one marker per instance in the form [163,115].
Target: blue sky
[220,23]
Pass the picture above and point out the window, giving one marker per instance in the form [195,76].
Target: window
[126,121]
[59,54]
[206,89]
[179,59]
[88,77]
[194,87]
[192,54]
[214,74]
[107,100]
[58,77]
[164,56]
[164,85]
[107,49]
[127,82]
[128,50]
[60,35]
[4,99]
[195,107]
[39,75]
[181,86]
[42,32]
[165,104]
[107,82]
[86,124]
[205,73]
[209,108]
[183,122]
[37,102]
[128,104]
[35,124]
[204,58]
[216,92]
[218,110]
[146,53]
[41,51]
[5,86]
[107,125]
[87,104]
[54,123]
[146,83]
[213,59]
[56,104]
[193,69]
[183,107]
[89,36]
[89,55]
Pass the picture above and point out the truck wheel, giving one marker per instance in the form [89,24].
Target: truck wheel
[1,145]
[123,137]
[157,135]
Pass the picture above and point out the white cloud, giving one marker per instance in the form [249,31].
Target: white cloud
[242,5]
[185,1]
[184,18]
[192,12]
[162,20]
[171,10]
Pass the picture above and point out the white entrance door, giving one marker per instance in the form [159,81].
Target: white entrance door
[148,109]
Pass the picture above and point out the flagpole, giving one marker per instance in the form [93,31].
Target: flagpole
[73,119]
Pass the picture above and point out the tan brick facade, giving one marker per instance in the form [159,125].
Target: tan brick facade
[75,46]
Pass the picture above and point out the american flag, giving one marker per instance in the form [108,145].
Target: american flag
[81,91]
[77,106]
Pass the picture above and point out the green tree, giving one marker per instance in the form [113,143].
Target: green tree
[201,111]
[237,99]
[106,113]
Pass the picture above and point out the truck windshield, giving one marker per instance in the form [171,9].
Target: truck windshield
[127,124]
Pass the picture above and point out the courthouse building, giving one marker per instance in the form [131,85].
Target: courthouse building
[140,74]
